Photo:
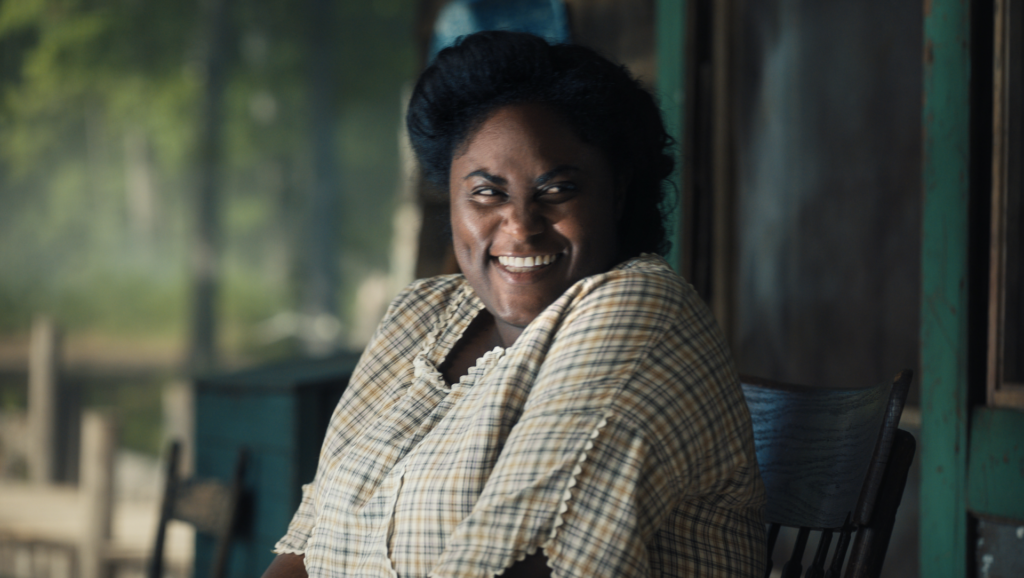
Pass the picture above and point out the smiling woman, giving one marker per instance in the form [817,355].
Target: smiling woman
[566,406]
[533,211]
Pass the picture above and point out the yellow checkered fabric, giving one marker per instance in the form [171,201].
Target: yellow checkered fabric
[613,434]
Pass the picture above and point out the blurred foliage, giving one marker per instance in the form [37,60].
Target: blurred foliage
[98,121]
[137,407]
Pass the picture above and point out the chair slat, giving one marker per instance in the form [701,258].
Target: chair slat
[817,567]
[204,504]
[773,535]
[794,566]
[835,569]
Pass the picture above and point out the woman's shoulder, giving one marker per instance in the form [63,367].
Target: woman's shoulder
[425,297]
[643,284]
[650,269]
[650,313]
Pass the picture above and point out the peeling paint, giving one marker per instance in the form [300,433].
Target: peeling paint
[986,563]
[999,553]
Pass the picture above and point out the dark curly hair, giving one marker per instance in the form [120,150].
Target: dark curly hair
[600,100]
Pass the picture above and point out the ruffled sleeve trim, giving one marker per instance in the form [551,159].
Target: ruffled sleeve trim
[551,545]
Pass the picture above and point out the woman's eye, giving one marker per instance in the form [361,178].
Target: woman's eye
[558,193]
[487,195]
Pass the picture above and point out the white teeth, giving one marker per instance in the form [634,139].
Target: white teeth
[526,262]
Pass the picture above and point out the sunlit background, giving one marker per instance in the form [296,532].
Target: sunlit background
[150,146]
[101,112]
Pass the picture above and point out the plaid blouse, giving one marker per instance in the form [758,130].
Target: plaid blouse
[613,435]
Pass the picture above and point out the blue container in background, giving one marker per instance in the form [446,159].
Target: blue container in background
[279,413]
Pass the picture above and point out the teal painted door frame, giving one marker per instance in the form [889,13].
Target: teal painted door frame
[944,286]
[671,31]
[996,464]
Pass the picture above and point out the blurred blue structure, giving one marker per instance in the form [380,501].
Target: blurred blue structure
[545,18]
[279,413]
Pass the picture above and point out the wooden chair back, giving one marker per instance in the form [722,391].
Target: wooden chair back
[834,461]
[210,505]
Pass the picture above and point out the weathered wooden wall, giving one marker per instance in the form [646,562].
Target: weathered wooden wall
[828,193]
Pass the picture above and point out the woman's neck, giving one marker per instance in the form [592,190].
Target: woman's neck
[481,336]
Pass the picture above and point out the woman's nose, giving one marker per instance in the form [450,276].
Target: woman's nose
[523,220]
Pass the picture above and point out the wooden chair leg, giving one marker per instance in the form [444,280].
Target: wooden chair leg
[230,520]
[794,566]
[872,541]
[156,563]
[817,569]
[773,536]
[836,568]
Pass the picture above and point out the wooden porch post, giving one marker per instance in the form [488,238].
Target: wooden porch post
[944,286]
[43,400]
[99,444]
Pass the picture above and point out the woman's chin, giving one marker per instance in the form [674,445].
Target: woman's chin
[519,315]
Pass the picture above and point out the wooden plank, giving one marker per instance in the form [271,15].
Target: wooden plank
[1005,217]
[945,119]
[99,442]
[670,19]
[814,447]
[996,464]
[997,243]
[43,394]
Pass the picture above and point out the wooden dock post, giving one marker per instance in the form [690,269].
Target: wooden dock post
[43,376]
[96,486]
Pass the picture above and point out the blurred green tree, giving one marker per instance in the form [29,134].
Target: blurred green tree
[99,108]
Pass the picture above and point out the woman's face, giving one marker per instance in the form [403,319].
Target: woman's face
[533,210]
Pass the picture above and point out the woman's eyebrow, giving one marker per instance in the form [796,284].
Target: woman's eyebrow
[560,169]
[487,176]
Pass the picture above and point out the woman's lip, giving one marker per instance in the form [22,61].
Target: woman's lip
[527,261]
[511,264]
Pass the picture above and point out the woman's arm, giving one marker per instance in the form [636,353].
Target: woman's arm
[535,566]
[287,566]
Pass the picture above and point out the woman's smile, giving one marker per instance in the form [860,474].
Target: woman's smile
[533,211]
[528,264]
